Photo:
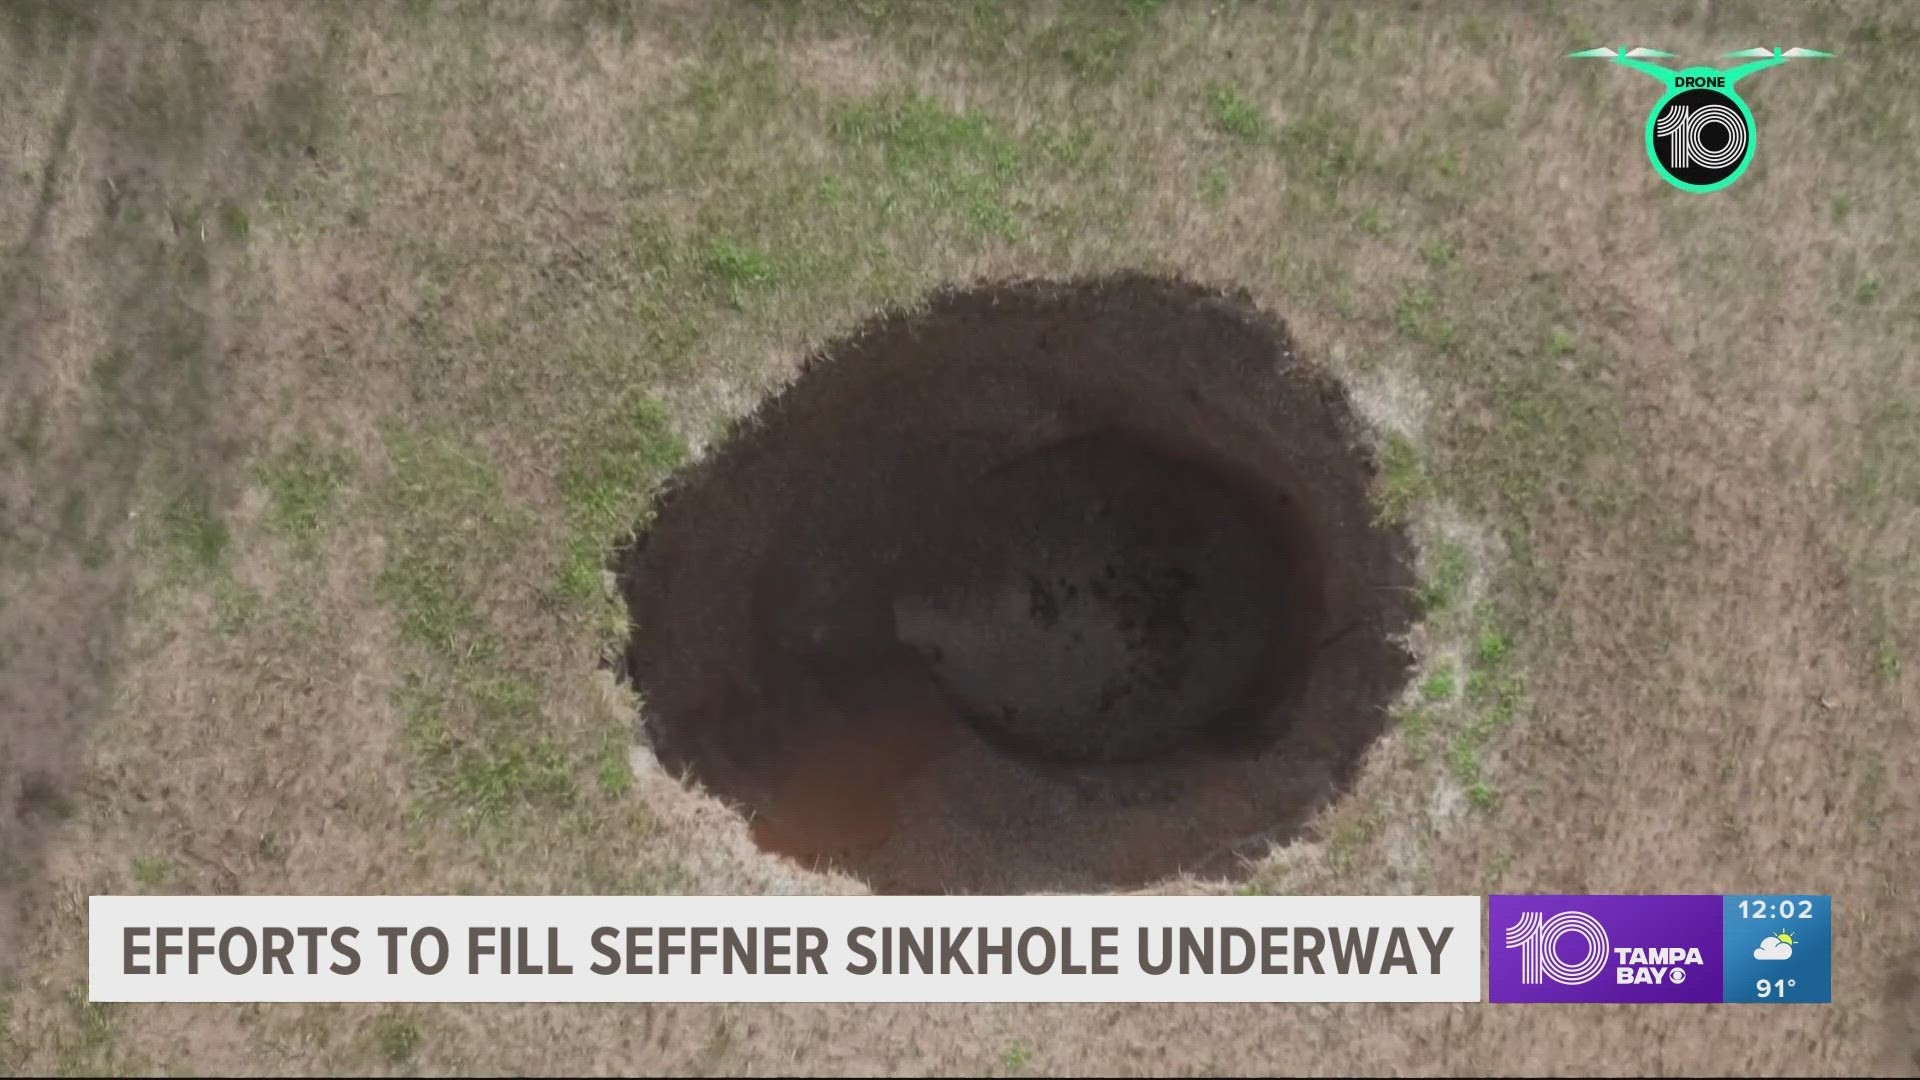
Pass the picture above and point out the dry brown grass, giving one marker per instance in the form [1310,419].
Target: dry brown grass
[339,343]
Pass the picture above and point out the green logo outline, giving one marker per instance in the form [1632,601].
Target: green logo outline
[1670,78]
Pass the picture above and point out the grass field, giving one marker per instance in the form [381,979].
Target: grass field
[339,344]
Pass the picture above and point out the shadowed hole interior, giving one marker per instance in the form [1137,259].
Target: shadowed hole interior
[1036,587]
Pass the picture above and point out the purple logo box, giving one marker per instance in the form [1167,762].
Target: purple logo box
[1605,948]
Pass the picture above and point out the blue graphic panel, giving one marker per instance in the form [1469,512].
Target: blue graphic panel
[1779,948]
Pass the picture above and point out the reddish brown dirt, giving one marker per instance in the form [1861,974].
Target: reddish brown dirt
[838,800]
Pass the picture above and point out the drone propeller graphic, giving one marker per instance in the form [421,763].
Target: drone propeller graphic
[1609,54]
[1795,53]
[1637,58]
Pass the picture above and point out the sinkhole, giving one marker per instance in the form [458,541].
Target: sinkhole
[1035,587]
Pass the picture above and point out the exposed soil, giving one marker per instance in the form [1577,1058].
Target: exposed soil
[1042,587]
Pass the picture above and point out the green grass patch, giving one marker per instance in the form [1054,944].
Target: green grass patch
[302,484]
[1402,480]
[487,781]
[1463,756]
[933,160]
[423,716]
[1469,710]
[1495,695]
[476,738]
[1236,115]
[506,698]
[1552,428]
[1437,254]
[581,566]
[1492,646]
[152,871]
[1350,832]
[11,1052]
[449,520]
[613,771]
[1492,698]
[484,745]
[428,596]
[1498,866]
[395,1037]
[733,263]
[235,225]
[606,491]
[1886,660]
[191,535]
[88,1046]
[1448,571]
[738,268]
[1417,722]
[439,479]
[1418,315]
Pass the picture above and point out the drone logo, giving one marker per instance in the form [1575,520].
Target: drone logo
[1700,134]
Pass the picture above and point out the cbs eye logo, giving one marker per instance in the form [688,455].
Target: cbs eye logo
[1700,134]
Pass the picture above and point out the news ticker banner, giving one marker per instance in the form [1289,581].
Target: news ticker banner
[785,948]
[1765,948]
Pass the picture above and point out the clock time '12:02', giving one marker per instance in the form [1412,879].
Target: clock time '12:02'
[1776,909]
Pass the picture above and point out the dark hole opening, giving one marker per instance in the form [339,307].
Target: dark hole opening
[1039,587]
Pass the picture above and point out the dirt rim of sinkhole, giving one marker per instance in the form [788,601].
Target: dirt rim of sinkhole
[1036,587]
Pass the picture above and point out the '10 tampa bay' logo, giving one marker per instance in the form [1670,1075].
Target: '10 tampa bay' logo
[1700,134]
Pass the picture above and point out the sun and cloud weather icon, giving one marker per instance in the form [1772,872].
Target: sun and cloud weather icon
[1775,947]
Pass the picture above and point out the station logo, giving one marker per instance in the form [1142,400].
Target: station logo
[1606,948]
[1700,134]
